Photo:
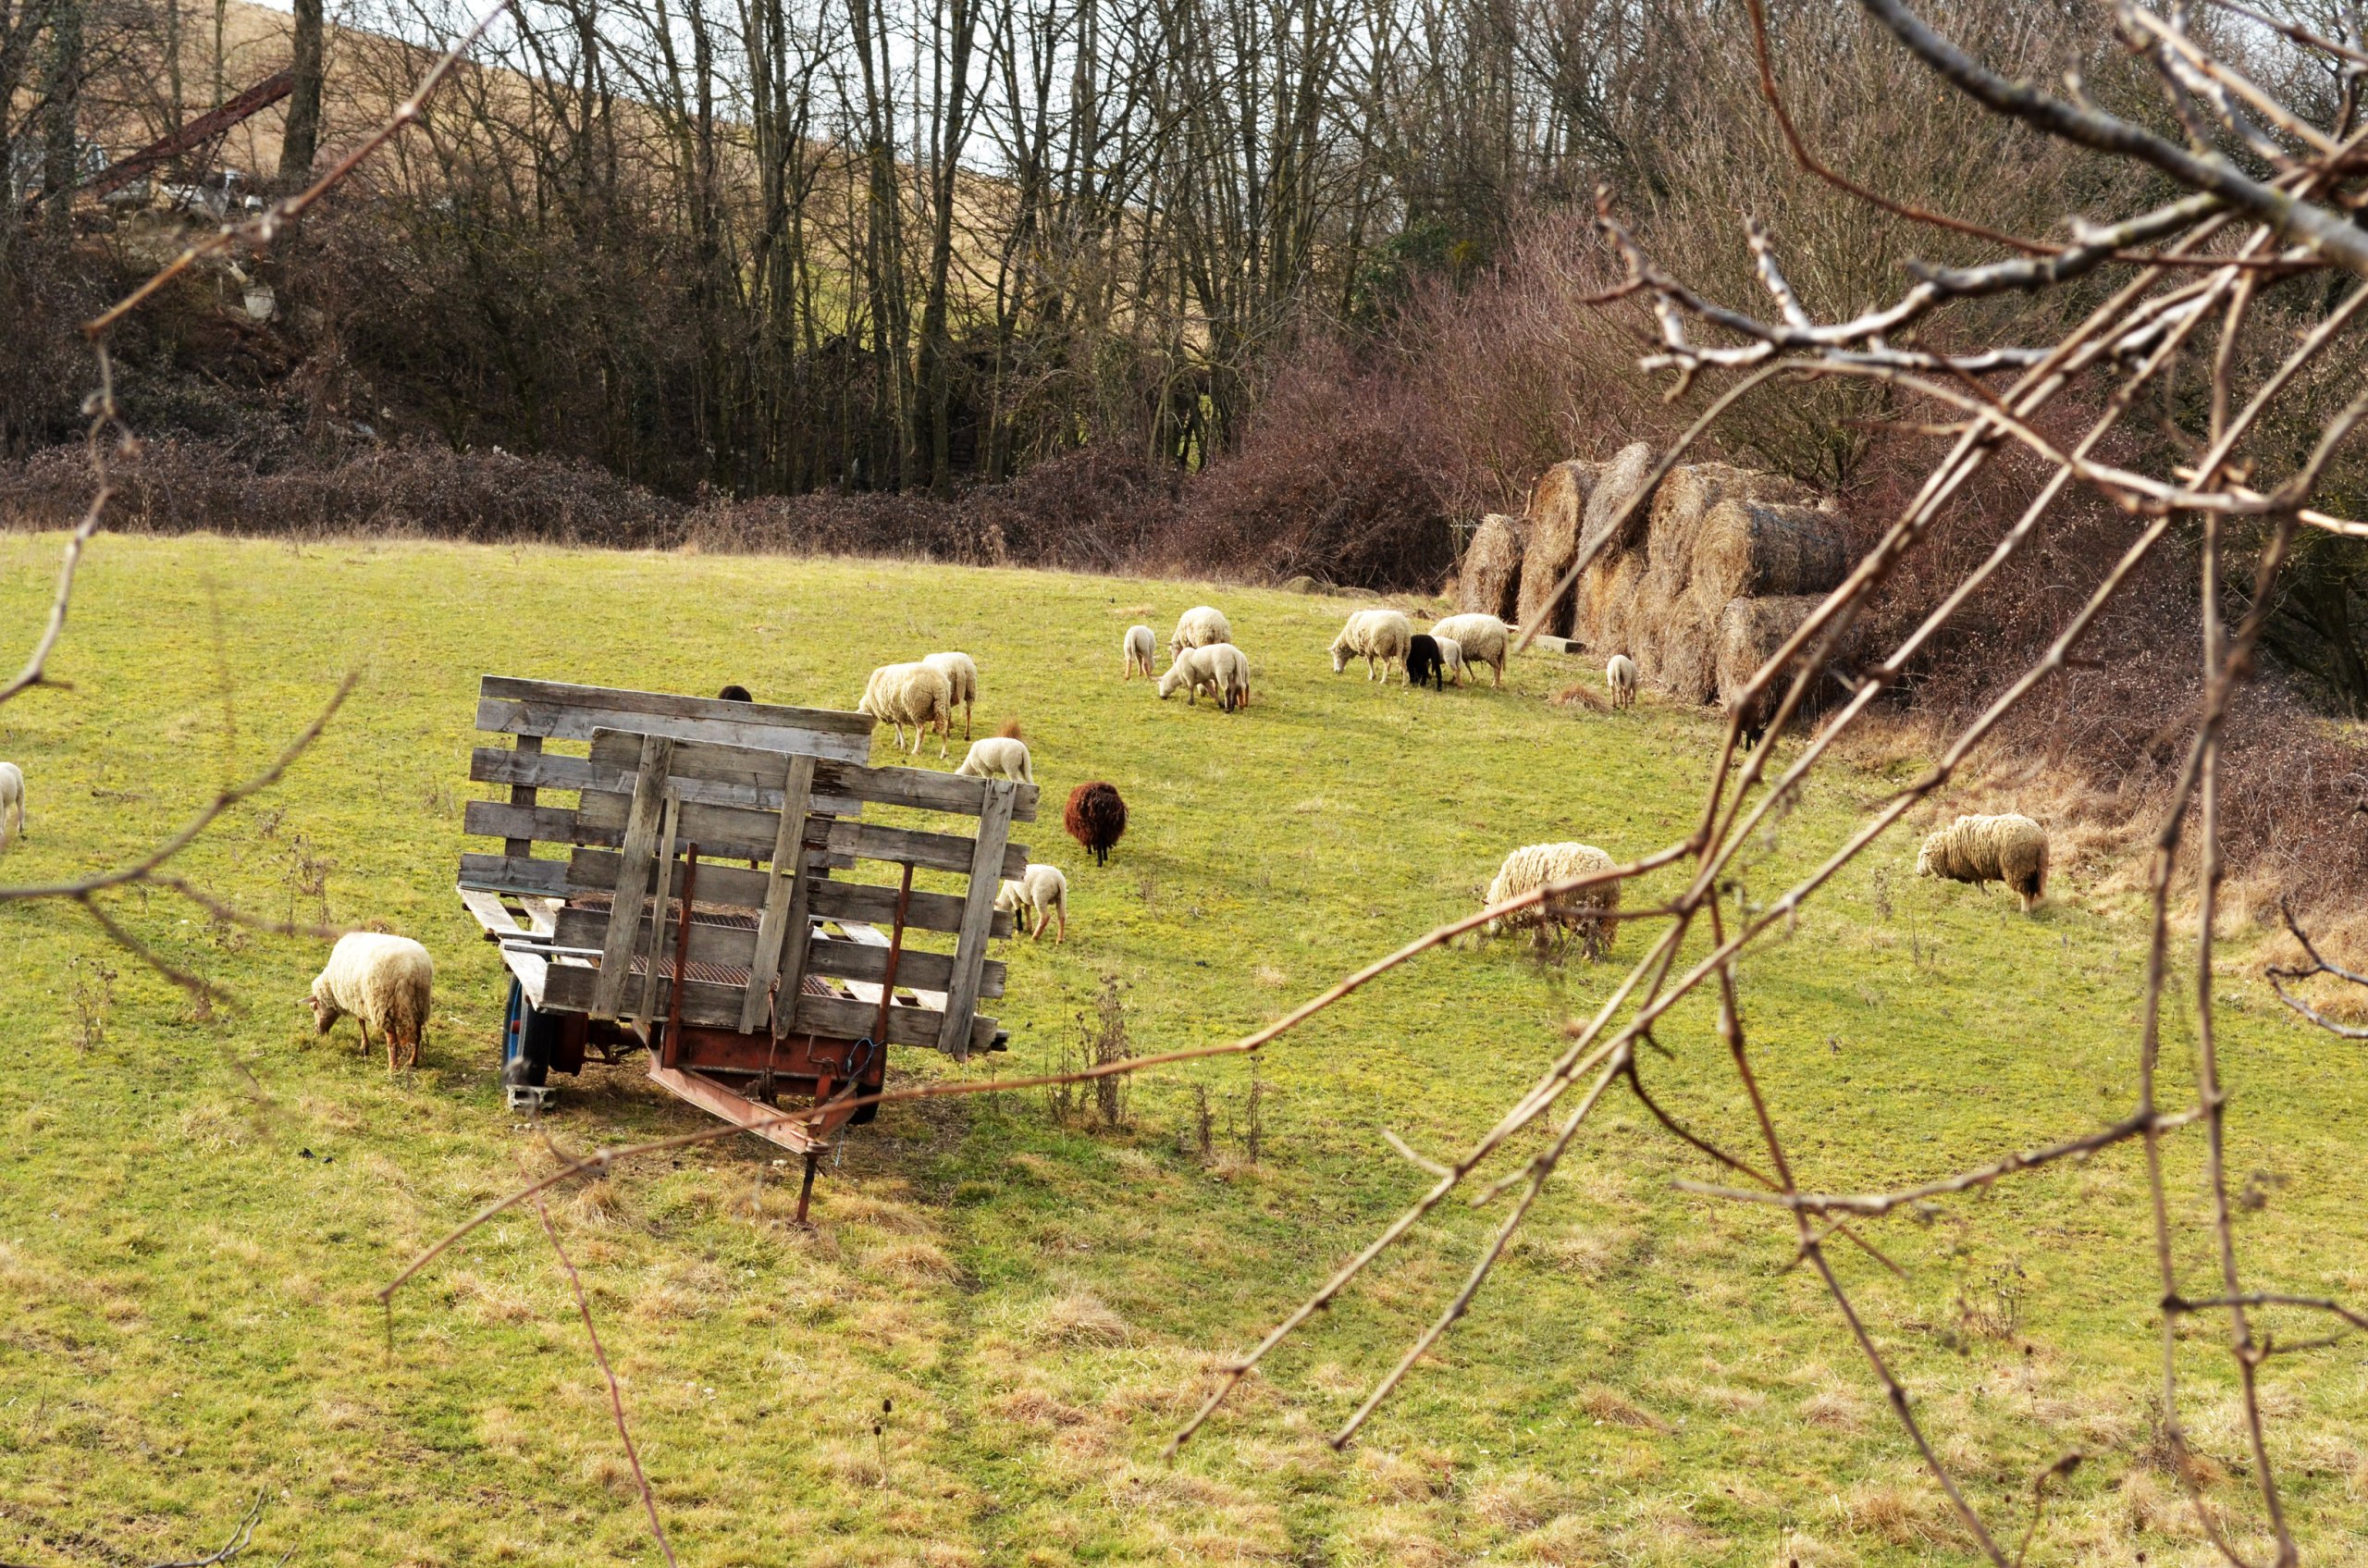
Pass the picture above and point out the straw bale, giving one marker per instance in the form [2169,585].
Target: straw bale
[1556,503]
[1489,581]
[1758,550]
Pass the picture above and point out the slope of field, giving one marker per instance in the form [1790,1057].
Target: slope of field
[980,1353]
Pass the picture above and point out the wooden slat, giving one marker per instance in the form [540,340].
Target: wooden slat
[633,866]
[729,832]
[784,900]
[736,947]
[750,1115]
[542,915]
[595,870]
[499,765]
[977,918]
[670,880]
[673,705]
[496,716]
[829,1018]
[524,794]
[919,788]
[491,913]
[532,969]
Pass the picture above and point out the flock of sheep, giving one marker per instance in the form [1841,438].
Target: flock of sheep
[386,982]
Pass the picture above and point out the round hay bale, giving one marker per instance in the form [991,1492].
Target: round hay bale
[1755,548]
[1684,501]
[1607,608]
[1750,630]
[1556,504]
[1686,653]
[1488,583]
[1614,487]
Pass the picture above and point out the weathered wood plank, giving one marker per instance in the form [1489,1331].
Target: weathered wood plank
[662,943]
[496,716]
[499,765]
[675,705]
[749,1115]
[977,918]
[729,832]
[595,870]
[631,882]
[737,947]
[785,910]
[491,913]
[516,874]
[717,1006]
[523,794]
[919,788]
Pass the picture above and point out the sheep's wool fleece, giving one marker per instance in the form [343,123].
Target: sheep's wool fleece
[909,693]
[388,982]
[998,757]
[1200,625]
[1535,865]
[1482,637]
[2010,848]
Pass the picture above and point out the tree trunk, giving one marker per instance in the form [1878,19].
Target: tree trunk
[301,140]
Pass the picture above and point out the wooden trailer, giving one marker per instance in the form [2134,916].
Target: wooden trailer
[691,907]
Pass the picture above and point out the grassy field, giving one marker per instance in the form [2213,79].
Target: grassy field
[979,1353]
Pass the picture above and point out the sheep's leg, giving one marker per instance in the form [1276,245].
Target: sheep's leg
[965,722]
[1062,910]
[394,1045]
[363,1025]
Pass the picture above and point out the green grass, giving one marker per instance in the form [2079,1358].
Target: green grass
[980,1353]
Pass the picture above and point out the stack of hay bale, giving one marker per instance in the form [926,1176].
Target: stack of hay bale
[1700,586]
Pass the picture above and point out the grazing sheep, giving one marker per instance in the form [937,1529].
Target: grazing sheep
[1483,638]
[897,694]
[1221,667]
[1590,914]
[1425,663]
[1200,626]
[1619,674]
[961,672]
[1040,894]
[1377,636]
[2010,848]
[388,981]
[1096,818]
[734,693]
[1138,648]
[12,801]
[999,757]
[1451,657]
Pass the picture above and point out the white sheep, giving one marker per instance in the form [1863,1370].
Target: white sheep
[961,672]
[1221,667]
[1377,636]
[1138,648]
[1590,913]
[387,980]
[1451,665]
[12,801]
[2010,848]
[1200,626]
[1483,638]
[999,757]
[1040,894]
[897,694]
[1619,674]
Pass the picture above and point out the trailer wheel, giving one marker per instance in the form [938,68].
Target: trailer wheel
[527,1037]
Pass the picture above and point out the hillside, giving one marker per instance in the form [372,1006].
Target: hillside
[980,1353]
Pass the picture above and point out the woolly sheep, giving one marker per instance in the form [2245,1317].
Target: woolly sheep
[1425,663]
[961,672]
[1096,818]
[2010,848]
[12,801]
[387,980]
[1619,674]
[1589,914]
[897,694]
[999,757]
[1041,894]
[1200,626]
[1450,657]
[1377,636]
[1138,648]
[1221,667]
[735,692]
[1483,638]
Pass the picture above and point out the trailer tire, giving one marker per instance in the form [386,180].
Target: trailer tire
[527,1037]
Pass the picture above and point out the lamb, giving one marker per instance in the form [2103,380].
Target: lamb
[12,801]
[1619,674]
[1221,667]
[1425,663]
[1200,626]
[961,672]
[1589,914]
[1096,818]
[1483,638]
[2010,848]
[1451,657]
[1138,648]
[897,694]
[387,980]
[1376,636]
[999,757]
[1040,894]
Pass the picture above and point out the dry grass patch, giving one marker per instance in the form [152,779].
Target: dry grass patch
[1520,1500]
[1902,1514]
[913,1263]
[1074,1317]
[1837,1408]
[1609,1407]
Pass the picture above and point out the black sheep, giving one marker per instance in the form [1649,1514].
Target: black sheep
[736,693]
[1096,818]
[1423,663]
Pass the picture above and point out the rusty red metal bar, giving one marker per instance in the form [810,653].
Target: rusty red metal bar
[173,143]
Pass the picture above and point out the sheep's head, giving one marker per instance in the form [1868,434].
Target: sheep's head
[1924,858]
[1171,682]
[1009,897]
[324,1012]
[1340,656]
